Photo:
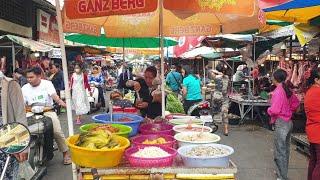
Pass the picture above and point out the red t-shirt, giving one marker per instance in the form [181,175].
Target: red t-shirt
[312,108]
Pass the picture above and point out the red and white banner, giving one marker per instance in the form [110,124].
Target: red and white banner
[47,27]
[186,43]
[264,4]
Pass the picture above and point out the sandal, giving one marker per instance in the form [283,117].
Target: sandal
[67,160]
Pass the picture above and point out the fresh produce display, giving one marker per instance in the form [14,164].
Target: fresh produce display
[207,151]
[159,140]
[125,119]
[106,127]
[99,139]
[151,152]
[173,104]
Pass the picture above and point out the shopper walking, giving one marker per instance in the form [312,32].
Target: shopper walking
[220,100]
[78,85]
[283,104]
[97,79]
[311,105]
[191,89]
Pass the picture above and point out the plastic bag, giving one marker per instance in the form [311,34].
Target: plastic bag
[25,171]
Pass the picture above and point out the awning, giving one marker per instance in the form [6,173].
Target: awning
[28,43]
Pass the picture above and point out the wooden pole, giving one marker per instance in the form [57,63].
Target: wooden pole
[66,81]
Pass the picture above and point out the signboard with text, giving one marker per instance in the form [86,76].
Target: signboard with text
[47,27]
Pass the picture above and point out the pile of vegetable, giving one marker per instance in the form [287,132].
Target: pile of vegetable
[159,140]
[99,139]
[173,104]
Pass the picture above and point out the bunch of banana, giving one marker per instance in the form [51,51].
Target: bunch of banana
[99,139]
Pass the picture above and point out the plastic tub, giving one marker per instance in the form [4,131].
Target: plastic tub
[138,141]
[150,162]
[134,124]
[124,130]
[197,128]
[194,161]
[97,158]
[212,138]
[130,110]
[185,121]
[156,128]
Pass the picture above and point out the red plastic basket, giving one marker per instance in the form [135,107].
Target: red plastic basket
[150,162]
[138,141]
[157,128]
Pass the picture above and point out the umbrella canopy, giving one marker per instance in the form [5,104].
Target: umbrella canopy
[28,43]
[295,11]
[176,20]
[102,40]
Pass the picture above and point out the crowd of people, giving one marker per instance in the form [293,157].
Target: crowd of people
[42,83]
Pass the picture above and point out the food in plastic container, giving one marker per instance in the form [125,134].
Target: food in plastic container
[166,159]
[99,139]
[207,155]
[123,130]
[158,140]
[106,127]
[125,119]
[190,138]
[156,128]
[191,128]
[151,152]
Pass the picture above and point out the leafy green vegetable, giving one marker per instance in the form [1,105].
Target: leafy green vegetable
[173,104]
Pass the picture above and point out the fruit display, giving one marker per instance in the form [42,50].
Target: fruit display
[106,127]
[151,152]
[99,139]
[207,151]
[159,140]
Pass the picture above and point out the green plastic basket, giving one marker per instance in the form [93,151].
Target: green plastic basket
[124,130]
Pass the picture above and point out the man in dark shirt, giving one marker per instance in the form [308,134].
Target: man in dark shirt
[144,99]
[56,77]
[18,75]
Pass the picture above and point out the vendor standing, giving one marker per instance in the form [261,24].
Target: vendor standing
[149,107]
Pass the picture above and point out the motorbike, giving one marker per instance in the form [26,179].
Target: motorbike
[41,141]
[203,108]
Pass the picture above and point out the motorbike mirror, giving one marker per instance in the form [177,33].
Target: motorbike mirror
[14,138]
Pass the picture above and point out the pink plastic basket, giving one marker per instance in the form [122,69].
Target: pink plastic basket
[150,162]
[157,128]
[138,141]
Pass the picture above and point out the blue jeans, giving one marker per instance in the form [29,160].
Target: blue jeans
[282,136]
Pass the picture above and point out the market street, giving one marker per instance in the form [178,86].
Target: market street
[253,154]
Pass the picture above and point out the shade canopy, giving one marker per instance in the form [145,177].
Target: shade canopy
[181,20]
[28,43]
[295,11]
[102,40]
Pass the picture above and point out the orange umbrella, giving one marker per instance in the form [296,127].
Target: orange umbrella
[186,18]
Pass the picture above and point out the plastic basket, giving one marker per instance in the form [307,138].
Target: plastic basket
[97,158]
[150,162]
[134,124]
[157,128]
[138,141]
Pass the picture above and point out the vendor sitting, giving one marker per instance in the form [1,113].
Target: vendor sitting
[149,106]
[239,75]
[118,100]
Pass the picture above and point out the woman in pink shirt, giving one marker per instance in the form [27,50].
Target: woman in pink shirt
[283,104]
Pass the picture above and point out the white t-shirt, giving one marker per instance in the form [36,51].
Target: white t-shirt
[40,94]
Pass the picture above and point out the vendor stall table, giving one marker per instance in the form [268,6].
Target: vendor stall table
[242,103]
[301,142]
[178,171]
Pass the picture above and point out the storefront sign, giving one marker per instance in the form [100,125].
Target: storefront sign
[55,53]
[47,27]
[96,8]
